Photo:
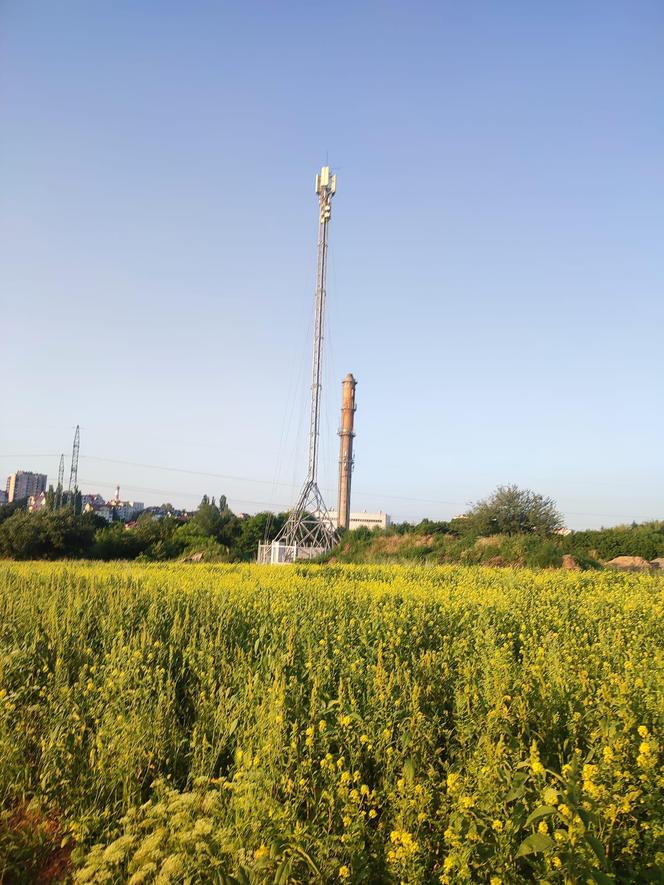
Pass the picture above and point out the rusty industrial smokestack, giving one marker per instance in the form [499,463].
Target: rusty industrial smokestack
[346,435]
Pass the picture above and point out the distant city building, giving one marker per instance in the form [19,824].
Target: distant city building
[114,510]
[128,510]
[369,520]
[120,511]
[23,483]
[92,502]
[159,512]
[37,502]
[3,497]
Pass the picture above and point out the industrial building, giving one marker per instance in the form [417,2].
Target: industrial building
[378,520]
[24,483]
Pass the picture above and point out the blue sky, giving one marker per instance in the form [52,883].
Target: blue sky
[497,258]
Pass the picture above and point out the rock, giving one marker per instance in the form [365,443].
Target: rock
[195,557]
[569,562]
[657,563]
[629,563]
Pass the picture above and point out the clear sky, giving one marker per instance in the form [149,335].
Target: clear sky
[497,248]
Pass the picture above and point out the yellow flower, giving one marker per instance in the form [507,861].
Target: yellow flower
[261,852]
[643,731]
[550,796]
[589,772]
[453,780]
[543,828]
[344,872]
[497,825]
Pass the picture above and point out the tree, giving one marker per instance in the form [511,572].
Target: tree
[206,521]
[511,511]
[46,535]
[49,503]
[252,531]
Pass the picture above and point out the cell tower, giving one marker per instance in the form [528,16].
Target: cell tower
[73,473]
[309,530]
[61,481]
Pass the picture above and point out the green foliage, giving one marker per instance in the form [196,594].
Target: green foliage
[7,510]
[213,530]
[255,530]
[460,542]
[46,535]
[49,503]
[115,541]
[646,540]
[337,723]
[510,511]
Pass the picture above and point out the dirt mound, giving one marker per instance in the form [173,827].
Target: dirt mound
[388,543]
[657,563]
[395,543]
[569,562]
[629,563]
[489,541]
[495,562]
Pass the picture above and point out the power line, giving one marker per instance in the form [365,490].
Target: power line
[154,491]
[226,476]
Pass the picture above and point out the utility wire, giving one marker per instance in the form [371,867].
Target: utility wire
[359,492]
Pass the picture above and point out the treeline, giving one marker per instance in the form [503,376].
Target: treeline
[439,542]
[510,527]
[214,532]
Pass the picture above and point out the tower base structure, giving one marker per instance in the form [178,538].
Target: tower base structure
[278,553]
[308,532]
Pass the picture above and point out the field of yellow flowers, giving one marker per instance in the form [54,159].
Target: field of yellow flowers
[247,724]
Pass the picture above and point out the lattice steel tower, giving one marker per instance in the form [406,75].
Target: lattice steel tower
[309,531]
[61,480]
[73,473]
